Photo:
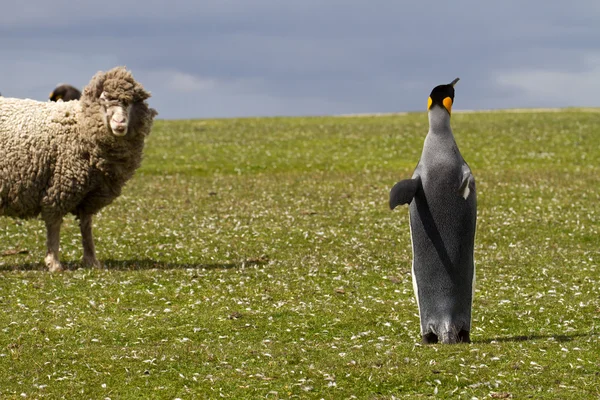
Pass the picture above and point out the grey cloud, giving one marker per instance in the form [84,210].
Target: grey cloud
[267,57]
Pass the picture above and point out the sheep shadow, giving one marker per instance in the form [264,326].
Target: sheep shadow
[139,265]
[148,264]
[532,337]
[23,267]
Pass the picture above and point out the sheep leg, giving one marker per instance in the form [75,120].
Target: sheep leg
[52,243]
[89,251]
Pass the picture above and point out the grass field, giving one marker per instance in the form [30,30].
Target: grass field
[257,258]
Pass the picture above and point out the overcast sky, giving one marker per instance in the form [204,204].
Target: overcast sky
[227,58]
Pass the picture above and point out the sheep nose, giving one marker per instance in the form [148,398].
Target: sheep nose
[120,118]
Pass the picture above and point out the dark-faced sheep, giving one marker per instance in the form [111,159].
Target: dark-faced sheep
[72,157]
[65,93]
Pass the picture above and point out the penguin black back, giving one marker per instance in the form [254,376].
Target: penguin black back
[443,210]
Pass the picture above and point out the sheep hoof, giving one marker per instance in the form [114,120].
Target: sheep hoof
[53,265]
[93,263]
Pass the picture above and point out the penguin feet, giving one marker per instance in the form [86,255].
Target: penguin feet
[463,336]
[430,338]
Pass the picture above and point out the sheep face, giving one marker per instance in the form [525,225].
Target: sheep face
[117,115]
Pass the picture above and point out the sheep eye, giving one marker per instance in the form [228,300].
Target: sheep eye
[106,99]
[110,103]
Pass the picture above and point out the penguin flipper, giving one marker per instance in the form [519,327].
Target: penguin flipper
[467,184]
[404,191]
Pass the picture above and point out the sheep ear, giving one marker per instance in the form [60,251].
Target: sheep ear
[95,86]
[140,94]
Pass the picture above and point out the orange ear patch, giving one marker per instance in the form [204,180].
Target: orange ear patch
[448,104]
[429,101]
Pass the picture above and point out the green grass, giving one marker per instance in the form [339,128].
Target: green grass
[256,258]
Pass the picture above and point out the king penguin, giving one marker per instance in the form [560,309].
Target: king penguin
[443,216]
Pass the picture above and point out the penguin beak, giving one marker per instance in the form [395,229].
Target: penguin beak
[448,101]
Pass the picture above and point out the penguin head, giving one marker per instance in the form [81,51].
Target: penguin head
[57,94]
[442,96]
[65,92]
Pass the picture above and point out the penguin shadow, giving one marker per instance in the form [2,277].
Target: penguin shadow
[533,337]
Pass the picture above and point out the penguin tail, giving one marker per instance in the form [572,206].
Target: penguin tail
[404,191]
[453,335]
[449,338]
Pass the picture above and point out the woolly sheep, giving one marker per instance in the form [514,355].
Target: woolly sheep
[65,92]
[72,157]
